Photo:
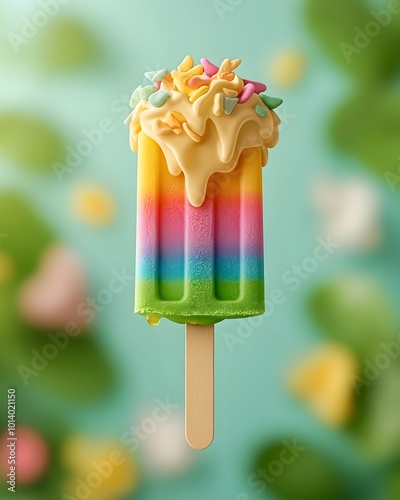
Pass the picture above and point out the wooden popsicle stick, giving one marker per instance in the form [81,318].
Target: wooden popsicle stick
[199,385]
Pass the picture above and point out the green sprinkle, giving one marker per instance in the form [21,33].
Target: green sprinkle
[145,92]
[229,104]
[135,97]
[156,76]
[261,111]
[271,102]
[159,98]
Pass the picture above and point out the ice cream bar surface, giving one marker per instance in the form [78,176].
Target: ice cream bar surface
[202,135]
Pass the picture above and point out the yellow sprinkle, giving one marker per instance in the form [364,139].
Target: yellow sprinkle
[217,109]
[235,63]
[94,205]
[195,137]
[198,93]
[7,267]
[288,68]
[181,80]
[230,93]
[174,121]
[186,64]
[226,66]
[227,76]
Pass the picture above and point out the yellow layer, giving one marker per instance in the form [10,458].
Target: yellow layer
[153,173]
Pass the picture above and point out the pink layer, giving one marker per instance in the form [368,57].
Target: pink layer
[229,225]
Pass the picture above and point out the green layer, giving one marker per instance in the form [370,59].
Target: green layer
[202,303]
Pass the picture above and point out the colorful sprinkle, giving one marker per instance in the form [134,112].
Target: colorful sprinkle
[271,102]
[145,92]
[198,93]
[259,87]
[135,98]
[230,92]
[186,64]
[247,92]
[228,66]
[157,85]
[209,68]
[159,98]
[218,105]
[198,81]
[229,104]
[156,76]
[195,137]
[174,121]
[261,111]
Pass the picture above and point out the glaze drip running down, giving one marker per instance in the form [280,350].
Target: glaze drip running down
[203,117]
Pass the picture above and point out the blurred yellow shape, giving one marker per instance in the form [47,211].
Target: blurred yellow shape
[323,381]
[101,469]
[94,204]
[288,68]
[7,267]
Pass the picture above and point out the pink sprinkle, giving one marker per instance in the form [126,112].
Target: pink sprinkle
[259,87]
[209,68]
[198,81]
[248,90]
[157,85]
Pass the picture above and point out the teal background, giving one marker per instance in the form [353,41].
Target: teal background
[254,407]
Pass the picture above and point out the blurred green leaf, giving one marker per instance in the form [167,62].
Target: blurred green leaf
[79,372]
[335,23]
[309,475]
[65,44]
[355,312]
[392,485]
[367,125]
[26,234]
[29,142]
[377,429]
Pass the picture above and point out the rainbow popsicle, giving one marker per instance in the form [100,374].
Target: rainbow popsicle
[202,134]
[198,264]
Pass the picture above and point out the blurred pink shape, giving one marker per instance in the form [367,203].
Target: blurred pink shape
[50,297]
[32,456]
[350,212]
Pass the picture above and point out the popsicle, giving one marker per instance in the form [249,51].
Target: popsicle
[202,134]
